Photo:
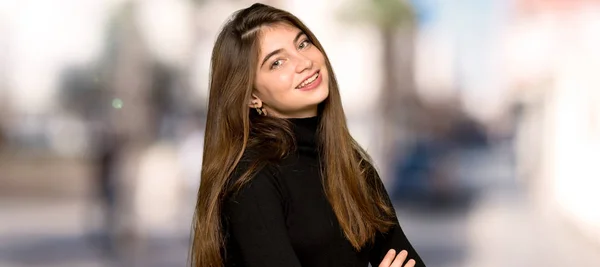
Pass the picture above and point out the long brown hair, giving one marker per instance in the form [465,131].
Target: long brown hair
[232,129]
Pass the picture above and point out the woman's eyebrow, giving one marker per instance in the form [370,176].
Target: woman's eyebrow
[277,51]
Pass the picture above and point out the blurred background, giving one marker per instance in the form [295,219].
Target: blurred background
[483,118]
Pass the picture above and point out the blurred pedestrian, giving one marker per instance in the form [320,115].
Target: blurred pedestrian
[2,137]
[105,188]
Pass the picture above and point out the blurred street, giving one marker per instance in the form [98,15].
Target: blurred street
[500,228]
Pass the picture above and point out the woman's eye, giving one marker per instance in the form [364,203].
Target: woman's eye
[304,44]
[276,64]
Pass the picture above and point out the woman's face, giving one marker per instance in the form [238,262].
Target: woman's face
[291,78]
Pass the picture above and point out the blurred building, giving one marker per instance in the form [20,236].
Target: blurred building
[552,55]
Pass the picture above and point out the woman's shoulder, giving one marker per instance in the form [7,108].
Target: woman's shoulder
[253,184]
[251,160]
[253,173]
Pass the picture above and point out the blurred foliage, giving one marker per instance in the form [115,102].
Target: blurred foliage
[386,14]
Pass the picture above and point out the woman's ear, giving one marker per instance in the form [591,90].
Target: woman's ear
[255,102]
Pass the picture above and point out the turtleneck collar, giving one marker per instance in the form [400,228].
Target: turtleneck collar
[305,132]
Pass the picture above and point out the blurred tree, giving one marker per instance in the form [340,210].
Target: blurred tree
[395,21]
[129,65]
[114,95]
[83,92]
[129,121]
[385,14]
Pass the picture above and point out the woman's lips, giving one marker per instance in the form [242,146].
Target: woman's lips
[314,84]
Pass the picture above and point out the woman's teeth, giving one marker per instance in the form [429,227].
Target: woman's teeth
[309,80]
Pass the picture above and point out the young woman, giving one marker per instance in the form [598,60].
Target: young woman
[283,183]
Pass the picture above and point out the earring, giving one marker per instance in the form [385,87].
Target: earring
[260,110]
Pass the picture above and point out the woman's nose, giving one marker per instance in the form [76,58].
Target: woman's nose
[304,63]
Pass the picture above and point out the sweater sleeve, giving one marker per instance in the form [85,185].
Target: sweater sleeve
[256,223]
[393,239]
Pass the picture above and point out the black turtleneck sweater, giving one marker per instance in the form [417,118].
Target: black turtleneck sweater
[282,218]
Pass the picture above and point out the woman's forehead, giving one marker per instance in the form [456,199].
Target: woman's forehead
[279,33]
[279,26]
